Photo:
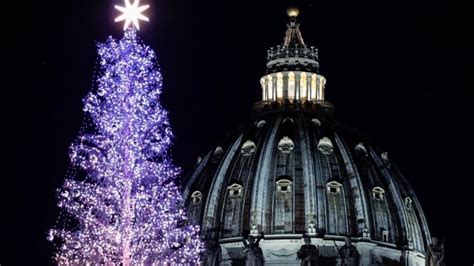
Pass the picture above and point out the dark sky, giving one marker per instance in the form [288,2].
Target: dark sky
[396,70]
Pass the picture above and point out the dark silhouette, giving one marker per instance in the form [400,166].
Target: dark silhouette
[252,251]
[435,253]
[308,253]
[348,254]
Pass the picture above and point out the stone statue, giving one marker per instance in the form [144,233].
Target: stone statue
[348,254]
[254,230]
[435,253]
[311,229]
[308,254]
[252,252]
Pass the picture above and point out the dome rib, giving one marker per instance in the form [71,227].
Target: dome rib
[216,187]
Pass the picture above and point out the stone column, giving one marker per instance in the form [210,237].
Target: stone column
[308,87]
[323,81]
[266,88]
[319,86]
[297,86]
[285,86]
[274,87]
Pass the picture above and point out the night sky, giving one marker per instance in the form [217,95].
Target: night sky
[397,71]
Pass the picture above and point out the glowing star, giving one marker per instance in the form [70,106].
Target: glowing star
[131,13]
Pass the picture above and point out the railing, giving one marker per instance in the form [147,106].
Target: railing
[296,51]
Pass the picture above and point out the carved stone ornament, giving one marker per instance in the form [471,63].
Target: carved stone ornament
[325,146]
[286,145]
[248,148]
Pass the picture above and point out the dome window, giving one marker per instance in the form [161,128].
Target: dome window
[196,197]
[286,145]
[218,151]
[378,192]
[384,235]
[311,230]
[284,185]
[316,122]
[408,202]
[261,123]
[360,149]
[325,146]
[248,148]
[334,187]
[385,159]
[235,190]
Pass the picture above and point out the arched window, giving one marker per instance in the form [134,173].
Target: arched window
[334,187]
[218,151]
[384,235]
[248,148]
[408,202]
[386,160]
[378,192]
[284,185]
[261,123]
[316,122]
[283,204]
[196,197]
[360,149]
[325,146]
[286,145]
[235,190]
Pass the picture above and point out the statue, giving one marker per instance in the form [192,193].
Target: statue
[308,254]
[435,253]
[254,230]
[212,256]
[311,229]
[348,253]
[252,252]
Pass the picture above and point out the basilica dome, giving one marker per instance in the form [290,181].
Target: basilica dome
[295,170]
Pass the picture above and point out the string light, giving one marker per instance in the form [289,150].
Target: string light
[121,205]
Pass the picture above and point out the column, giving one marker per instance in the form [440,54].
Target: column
[314,87]
[285,86]
[274,87]
[318,88]
[266,89]
[297,86]
[322,83]
[308,87]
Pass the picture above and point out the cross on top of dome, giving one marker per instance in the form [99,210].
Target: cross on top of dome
[293,48]
[293,34]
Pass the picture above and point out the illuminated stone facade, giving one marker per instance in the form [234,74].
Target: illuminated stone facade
[294,169]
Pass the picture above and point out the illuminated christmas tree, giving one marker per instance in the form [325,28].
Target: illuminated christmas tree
[122,206]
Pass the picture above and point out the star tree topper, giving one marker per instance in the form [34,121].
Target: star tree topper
[131,13]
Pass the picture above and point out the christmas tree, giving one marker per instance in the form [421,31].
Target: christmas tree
[121,204]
